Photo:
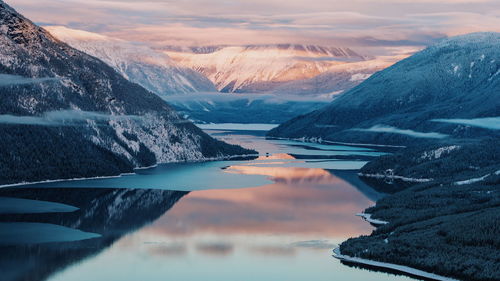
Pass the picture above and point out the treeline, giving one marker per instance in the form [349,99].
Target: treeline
[467,161]
[34,153]
[438,226]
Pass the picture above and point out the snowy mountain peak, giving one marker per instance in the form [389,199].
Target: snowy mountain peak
[262,68]
[137,62]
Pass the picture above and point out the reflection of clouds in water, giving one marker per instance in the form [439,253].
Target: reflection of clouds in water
[308,203]
[285,174]
[165,250]
[326,209]
[276,156]
[274,250]
[314,244]
[215,248]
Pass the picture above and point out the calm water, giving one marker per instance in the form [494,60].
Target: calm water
[276,217]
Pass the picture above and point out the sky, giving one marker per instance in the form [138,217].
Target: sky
[376,24]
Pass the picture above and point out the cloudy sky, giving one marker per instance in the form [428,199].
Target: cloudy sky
[354,23]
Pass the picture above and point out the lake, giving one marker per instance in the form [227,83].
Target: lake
[275,217]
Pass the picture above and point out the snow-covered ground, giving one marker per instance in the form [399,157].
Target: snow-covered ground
[474,180]
[394,177]
[401,268]
[368,218]
[437,153]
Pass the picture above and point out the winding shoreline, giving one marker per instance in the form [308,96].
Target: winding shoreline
[394,177]
[309,140]
[229,157]
[399,268]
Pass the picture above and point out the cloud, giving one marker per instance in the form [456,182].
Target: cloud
[355,23]
[12,80]
[492,123]
[314,244]
[407,132]
[63,118]
[328,59]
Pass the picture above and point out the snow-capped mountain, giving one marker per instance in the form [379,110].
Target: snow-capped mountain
[66,114]
[138,63]
[269,68]
[449,90]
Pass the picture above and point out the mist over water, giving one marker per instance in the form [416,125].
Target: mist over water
[492,123]
[407,132]
[12,80]
[64,118]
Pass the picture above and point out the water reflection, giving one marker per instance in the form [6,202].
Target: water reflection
[280,231]
[301,201]
[282,227]
[35,245]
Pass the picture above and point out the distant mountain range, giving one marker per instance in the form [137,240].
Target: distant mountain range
[66,114]
[140,64]
[449,90]
[283,72]
[284,68]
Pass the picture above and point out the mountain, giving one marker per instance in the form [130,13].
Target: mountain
[269,68]
[140,64]
[449,90]
[66,114]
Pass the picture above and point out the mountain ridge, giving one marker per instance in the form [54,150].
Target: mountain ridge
[439,82]
[58,78]
[153,70]
[264,68]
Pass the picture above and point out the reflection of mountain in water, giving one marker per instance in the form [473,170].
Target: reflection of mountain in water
[109,212]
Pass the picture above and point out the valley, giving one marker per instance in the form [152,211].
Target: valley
[189,140]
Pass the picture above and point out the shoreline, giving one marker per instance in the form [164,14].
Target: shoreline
[128,174]
[398,268]
[394,177]
[306,140]
[368,218]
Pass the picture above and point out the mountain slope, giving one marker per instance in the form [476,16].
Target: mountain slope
[456,78]
[151,69]
[265,68]
[66,114]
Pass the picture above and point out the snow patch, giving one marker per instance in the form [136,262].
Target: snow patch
[401,268]
[368,218]
[395,177]
[437,153]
